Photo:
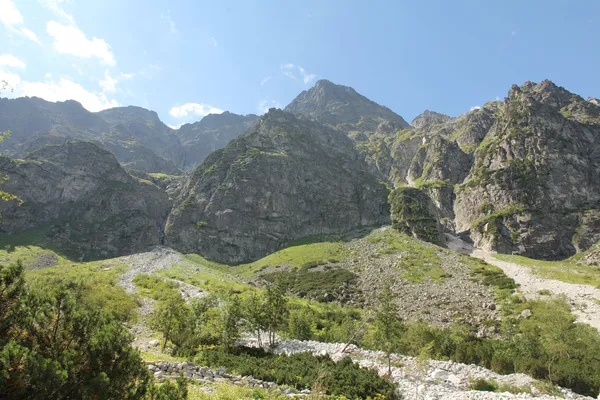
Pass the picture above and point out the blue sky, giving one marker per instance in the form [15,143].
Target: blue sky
[184,58]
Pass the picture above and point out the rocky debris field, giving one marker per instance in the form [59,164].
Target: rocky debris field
[454,297]
[168,370]
[431,380]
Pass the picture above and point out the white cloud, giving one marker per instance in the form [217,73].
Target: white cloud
[513,33]
[195,109]
[170,22]
[475,108]
[12,19]
[128,76]
[265,80]
[66,89]
[214,41]
[108,84]
[54,6]
[175,126]
[48,75]
[288,70]
[265,104]
[71,40]
[306,76]
[10,61]
[9,13]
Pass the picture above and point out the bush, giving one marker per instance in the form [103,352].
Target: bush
[484,385]
[302,371]
[53,344]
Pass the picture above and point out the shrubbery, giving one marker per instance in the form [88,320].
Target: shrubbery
[302,371]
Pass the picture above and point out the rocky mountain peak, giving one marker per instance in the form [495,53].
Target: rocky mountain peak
[428,118]
[337,104]
[546,92]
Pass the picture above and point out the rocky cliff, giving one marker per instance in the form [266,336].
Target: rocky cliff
[213,132]
[80,199]
[286,178]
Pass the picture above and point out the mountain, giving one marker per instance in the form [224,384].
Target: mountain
[136,136]
[288,177]
[515,176]
[519,176]
[213,132]
[82,201]
[343,107]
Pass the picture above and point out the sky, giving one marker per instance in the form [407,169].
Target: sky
[187,58]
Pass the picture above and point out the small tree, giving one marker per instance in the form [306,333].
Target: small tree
[300,324]
[231,314]
[388,325]
[170,317]
[276,311]
[255,316]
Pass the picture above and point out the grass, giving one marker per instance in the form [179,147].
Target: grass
[98,280]
[155,287]
[490,275]
[567,270]
[418,261]
[213,281]
[229,391]
[296,256]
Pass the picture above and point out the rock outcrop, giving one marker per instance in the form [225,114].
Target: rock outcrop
[82,201]
[213,132]
[286,178]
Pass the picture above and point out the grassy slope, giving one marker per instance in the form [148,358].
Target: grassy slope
[566,270]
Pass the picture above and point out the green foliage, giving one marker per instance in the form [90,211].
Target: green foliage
[227,391]
[484,385]
[53,344]
[267,313]
[170,317]
[387,325]
[169,390]
[568,270]
[201,224]
[96,282]
[155,287]
[302,371]
[493,218]
[315,284]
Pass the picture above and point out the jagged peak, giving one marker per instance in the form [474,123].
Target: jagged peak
[428,118]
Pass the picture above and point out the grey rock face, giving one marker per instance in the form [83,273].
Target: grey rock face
[535,175]
[286,178]
[213,132]
[342,106]
[83,201]
[429,118]
[136,136]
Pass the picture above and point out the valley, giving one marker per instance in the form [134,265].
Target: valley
[327,249]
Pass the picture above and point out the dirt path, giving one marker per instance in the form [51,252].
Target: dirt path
[584,299]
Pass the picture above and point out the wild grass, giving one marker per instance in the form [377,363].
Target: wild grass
[567,270]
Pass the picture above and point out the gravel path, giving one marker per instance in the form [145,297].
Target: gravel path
[432,380]
[584,299]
